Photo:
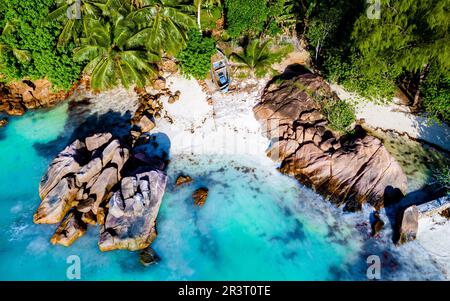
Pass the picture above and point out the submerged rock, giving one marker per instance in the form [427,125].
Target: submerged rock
[200,196]
[148,257]
[350,169]
[182,179]
[3,122]
[132,212]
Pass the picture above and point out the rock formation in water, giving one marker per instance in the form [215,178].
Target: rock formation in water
[350,169]
[89,183]
[3,122]
[18,97]
[131,220]
[200,196]
[183,179]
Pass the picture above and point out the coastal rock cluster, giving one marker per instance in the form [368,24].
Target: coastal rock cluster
[149,109]
[89,183]
[18,97]
[349,169]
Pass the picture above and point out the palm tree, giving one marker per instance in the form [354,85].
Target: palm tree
[114,53]
[72,27]
[258,57]
[165,23]
[209,4]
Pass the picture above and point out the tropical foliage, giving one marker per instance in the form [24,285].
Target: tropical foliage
[114,50]
[258,57]
[407,47]
[245,17]
[119,41]
[165,24]
[254,17]
[195,59]
[70,14]
[28,45]
[340,114]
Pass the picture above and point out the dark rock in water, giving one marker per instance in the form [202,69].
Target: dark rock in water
[409,225]
[149,257]
[71,228]
[200,196]
[182,179]
[350,169]
[3,122]
[377,224]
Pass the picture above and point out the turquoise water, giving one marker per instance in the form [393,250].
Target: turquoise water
[256,224]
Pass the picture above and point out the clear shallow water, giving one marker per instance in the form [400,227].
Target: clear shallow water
[256,223]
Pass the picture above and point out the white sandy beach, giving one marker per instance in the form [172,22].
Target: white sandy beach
[227,126]
[397,118]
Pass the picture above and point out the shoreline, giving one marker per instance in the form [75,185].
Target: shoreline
[397,118]
[217,129]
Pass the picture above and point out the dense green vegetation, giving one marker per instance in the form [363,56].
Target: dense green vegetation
[258,57]
[407,48]
[340,114]
[195,59]
[403,48]
[253,18]
[28,44]
[245,17]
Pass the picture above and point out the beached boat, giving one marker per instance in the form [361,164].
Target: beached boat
[220,71]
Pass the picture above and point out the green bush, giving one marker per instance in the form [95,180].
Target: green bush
[340,114]
[245,17]
[195,59]
[31,33]
[436,96]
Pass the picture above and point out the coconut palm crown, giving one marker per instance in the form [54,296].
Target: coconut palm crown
[115,52]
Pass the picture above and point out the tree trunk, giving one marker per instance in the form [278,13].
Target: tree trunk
[199,10]
[417,99]
[317,51]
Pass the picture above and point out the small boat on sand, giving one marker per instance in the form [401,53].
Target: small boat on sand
[220,71]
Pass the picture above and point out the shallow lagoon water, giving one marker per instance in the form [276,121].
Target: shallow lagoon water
[256,224]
